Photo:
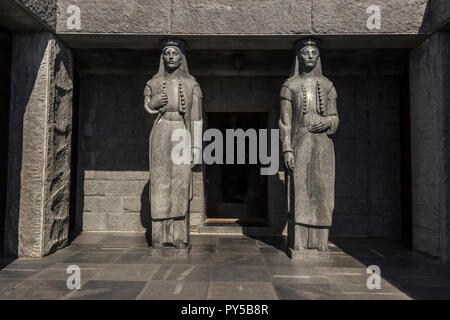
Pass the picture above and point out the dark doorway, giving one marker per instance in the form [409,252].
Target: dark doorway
[5,76]
[236,193]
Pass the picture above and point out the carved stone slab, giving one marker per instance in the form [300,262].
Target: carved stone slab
[170,252]
[309,254]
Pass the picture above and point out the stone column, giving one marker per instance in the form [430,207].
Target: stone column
[430,145]
[37,218]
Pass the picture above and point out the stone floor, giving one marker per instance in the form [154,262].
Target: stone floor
[118,266]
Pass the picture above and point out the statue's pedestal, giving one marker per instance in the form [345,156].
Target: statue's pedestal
[170,252]
[309,254]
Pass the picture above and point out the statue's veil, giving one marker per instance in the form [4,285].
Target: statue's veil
[297,66]
[180,46]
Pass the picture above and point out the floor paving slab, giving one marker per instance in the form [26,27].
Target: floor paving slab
[117,265]
[241,290]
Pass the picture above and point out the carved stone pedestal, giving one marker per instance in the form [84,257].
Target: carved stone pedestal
[309,254]
[170,252]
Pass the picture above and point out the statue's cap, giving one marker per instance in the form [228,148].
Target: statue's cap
[172,42]
[307,42]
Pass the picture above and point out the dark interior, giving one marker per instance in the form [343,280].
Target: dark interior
[5,67]
[236,192]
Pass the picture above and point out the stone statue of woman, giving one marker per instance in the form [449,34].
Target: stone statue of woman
[308,117]
[175,96]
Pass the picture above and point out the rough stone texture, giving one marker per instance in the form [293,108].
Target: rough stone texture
[44,10]
[117,16]
[344,17]
[40,146]
[240,17]
[430,148]
[243,17]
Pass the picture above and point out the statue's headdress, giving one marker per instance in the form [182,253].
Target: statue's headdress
[171,42]
[180,45]
[297,65]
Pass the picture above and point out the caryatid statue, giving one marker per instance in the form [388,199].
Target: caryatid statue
[175,96]
[308,117]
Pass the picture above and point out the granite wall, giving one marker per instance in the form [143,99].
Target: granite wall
[242,17]
[5,67]
[113,142]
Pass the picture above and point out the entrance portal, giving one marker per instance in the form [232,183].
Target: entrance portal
[236,193]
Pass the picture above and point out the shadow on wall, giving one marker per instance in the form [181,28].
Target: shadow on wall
[5,76]
[146,221]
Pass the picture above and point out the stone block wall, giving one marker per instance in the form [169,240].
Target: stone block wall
[113,142]
[224,17]
[367,146]
[430,147]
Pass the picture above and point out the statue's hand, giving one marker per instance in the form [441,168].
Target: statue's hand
[159,101]
[289,160]
[321,125]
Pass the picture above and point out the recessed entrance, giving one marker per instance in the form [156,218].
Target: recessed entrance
[236,193]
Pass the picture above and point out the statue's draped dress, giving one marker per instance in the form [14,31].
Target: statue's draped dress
[311,191]
[170,183]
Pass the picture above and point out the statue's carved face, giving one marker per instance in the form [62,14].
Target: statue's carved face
[309,56]
[172,58]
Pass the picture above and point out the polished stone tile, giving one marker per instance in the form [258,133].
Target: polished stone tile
[118,265]
[427,292]
[284,260]
[274,242]
[203,248]
[302,291]
[241,273]
[106,248]
[204,239]
[92,257]
[222,259]
[59,271]
[183,273]
[17,273]
[372,296]
[174,290]
[240,246]
[125,238]
[241,290]
[108,290]
[137,258]
[272,251]
[204,259]
[292,271]
[36,290]
[90,237]
[419,281]
[130,272]
[7,283]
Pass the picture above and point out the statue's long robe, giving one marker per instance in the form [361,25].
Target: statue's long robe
[311,195]
[171,184]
